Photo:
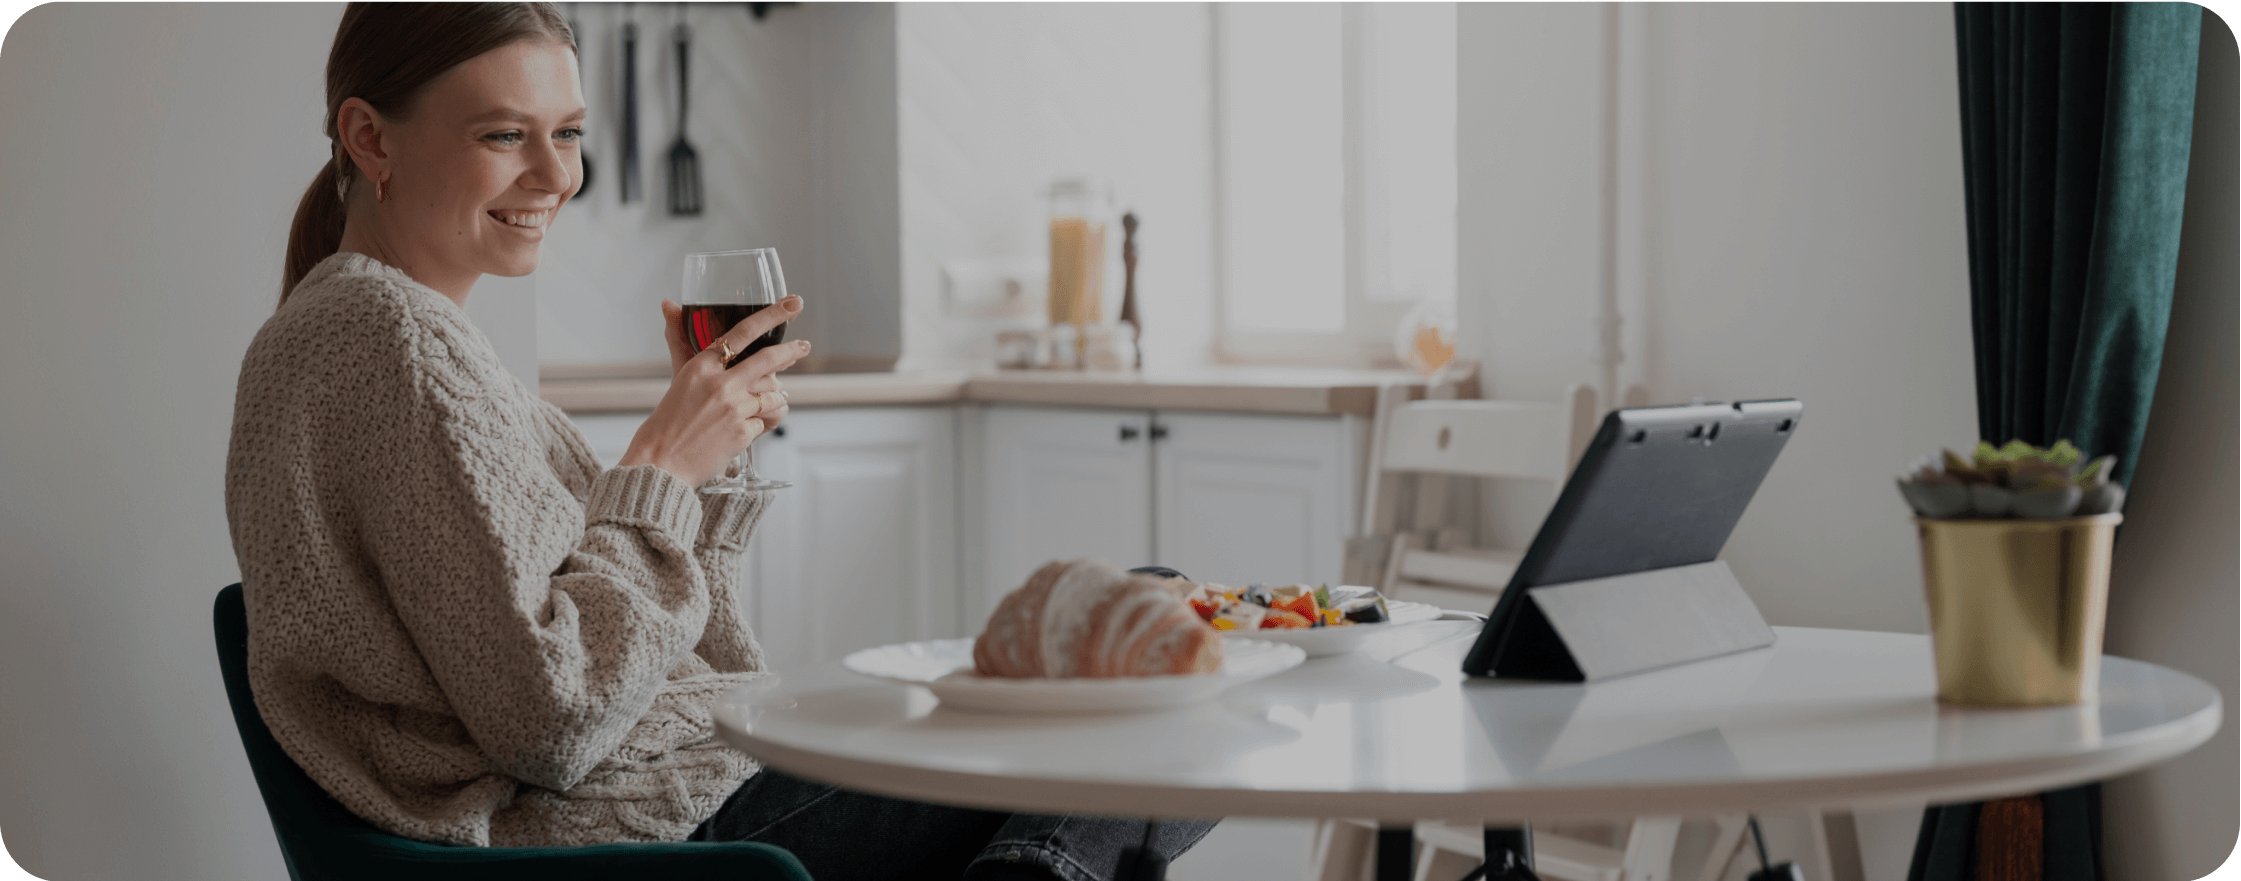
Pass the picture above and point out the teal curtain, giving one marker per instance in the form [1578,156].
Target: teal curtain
[2075,124]
[2076,120]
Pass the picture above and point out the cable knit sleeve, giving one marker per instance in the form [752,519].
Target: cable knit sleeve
[727,522]
[549,625]
[729,644]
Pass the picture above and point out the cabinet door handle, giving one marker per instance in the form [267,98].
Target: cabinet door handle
[1159,432]
[1128,433]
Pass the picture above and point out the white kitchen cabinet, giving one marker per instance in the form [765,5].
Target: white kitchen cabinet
[1058,484]
[862,549]
[1250,498]
[1233,498]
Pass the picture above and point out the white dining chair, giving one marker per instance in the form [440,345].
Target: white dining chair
[1432,442]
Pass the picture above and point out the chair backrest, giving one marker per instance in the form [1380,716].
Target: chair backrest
[1487,438]
[1433,440]
[304,816]
[323,841]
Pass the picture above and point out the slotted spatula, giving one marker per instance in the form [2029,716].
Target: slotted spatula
[684,164]
[630,188]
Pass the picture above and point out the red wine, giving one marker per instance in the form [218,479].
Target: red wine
[704,322]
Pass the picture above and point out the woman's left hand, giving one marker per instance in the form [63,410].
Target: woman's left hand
[769,388]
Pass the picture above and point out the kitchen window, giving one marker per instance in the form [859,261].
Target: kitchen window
[1335,154]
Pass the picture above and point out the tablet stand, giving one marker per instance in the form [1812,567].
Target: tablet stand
[1604,627]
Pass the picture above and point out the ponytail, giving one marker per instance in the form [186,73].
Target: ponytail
[317,231]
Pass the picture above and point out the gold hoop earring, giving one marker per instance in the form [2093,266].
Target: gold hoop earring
[381,190]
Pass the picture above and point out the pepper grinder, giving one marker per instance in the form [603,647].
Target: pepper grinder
[1128,287]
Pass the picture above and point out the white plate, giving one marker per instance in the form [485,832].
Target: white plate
[945,666]
[1321,641]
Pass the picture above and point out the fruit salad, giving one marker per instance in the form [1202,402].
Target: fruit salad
[1289,607]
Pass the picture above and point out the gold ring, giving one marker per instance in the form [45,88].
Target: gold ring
[724,346]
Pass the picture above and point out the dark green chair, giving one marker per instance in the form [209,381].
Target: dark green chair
[323,841]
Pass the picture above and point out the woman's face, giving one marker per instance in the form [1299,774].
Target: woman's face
[484,165]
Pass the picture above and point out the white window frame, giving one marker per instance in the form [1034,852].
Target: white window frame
[1366,339]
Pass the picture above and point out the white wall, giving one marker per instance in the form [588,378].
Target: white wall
[858,223]
[1528,211]
[607,264]
[996,100]
[1807,240]
[792,119]
[2173,591]
[150,162]
[1782,216]
[1800,234]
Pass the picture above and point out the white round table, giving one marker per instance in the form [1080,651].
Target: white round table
[1395,732]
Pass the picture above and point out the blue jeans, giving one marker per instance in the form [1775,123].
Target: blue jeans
[842,835]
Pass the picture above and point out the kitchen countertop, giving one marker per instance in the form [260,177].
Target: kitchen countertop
[1301,391]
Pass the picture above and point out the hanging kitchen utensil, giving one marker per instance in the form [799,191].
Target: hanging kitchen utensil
[582,151]
[684,164]
[630,111]
[758,10]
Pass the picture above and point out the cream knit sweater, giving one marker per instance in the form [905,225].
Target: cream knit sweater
[459,625]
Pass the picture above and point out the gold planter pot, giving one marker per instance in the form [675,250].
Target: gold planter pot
[2017,607]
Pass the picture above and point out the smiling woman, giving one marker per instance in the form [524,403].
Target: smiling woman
[460,625]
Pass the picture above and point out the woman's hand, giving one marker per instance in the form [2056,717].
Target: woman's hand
[710,413]
[681,352]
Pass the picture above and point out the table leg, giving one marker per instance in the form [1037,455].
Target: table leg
[1509,853]
[1396,851]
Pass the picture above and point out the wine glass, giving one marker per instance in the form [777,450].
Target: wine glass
[721,289]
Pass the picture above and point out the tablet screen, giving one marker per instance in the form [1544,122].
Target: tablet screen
[1658,487]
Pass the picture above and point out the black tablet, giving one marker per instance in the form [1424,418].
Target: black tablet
[1658,487]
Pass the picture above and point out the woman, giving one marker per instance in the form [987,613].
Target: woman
[459,624]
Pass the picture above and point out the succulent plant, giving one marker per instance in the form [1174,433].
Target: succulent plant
[2016,479]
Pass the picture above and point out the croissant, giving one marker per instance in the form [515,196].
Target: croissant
[1085,618]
